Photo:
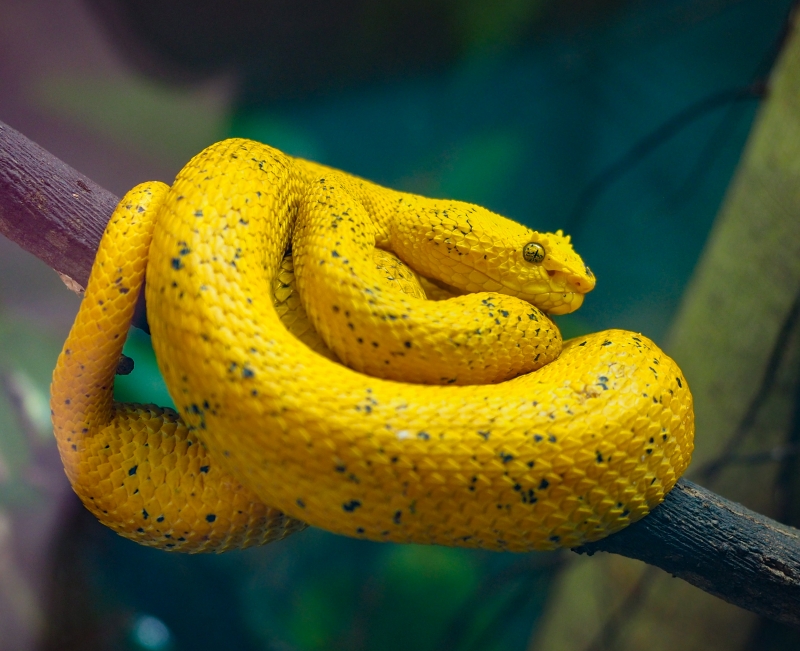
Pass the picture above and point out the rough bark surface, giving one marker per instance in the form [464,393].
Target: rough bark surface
[719,546]
[50,209]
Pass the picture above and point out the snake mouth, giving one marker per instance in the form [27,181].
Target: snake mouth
[564,303]
[551,300]
[567,291]
[561,294]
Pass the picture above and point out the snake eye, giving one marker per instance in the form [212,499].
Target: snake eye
[533,252]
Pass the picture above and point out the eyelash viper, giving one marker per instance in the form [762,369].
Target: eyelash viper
[272,434]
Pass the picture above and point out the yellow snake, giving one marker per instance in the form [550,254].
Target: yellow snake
[441,432]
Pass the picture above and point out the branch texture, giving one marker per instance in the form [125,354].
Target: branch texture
[50,209]
[720,547]
[58,215]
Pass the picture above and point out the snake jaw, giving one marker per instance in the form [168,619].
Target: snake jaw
[567,303]
[570,297]
[561,292]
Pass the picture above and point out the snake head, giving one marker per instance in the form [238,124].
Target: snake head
[551,275]
[475,250]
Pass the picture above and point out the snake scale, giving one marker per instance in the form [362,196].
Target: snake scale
[367,361]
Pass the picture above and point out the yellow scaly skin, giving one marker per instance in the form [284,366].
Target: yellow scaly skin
[564,455]
[137,467]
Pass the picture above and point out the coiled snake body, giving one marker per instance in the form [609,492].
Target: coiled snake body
[442,432]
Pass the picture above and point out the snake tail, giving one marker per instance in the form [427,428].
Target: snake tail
[138,468]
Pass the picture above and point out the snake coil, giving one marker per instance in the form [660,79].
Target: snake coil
[326,387]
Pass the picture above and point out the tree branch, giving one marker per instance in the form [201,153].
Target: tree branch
[58,215]
[720,547]
[50,209]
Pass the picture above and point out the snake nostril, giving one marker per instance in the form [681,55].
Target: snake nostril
[551,272]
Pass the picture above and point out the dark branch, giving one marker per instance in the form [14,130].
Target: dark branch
[720,547]
[723,548]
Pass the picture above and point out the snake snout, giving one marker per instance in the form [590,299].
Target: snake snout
[569,281]
[581,284]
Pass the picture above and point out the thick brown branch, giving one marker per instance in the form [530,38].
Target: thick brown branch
[723,548]
[48,208]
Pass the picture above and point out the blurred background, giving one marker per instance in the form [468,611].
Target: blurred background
[620,121]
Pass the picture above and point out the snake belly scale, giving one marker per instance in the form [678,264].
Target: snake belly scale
[273,432]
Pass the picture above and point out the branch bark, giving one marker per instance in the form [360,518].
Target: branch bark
[719,546]
[58,215]
[50,209]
